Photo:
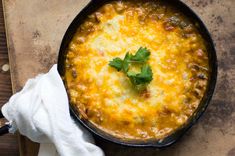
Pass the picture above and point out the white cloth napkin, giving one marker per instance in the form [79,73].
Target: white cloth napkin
[40,111]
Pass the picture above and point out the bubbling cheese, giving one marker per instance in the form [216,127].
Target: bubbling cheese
[106,97]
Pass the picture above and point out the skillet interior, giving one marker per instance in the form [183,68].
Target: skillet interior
[93,6]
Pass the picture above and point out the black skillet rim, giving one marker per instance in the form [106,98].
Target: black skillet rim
[91,7]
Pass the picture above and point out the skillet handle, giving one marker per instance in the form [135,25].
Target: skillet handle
[5,128]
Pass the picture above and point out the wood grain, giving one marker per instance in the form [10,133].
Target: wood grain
[34,42]
[8,143]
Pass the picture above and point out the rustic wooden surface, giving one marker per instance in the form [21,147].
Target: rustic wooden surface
[35,30]
[8,143]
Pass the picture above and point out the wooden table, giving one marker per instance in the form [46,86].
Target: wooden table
[8,143]
[35,45]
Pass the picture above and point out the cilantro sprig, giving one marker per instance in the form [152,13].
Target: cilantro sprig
[141,57]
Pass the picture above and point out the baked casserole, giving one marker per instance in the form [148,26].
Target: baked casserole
[108,98]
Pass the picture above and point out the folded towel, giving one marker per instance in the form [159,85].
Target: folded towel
[40,111]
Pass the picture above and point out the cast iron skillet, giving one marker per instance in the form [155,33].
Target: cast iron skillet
[93,6]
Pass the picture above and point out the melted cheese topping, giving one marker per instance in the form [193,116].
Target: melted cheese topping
[107,98]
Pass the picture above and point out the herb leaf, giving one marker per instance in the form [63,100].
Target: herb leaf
[141,56]
[145,76]
[126,62]
[116,63]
